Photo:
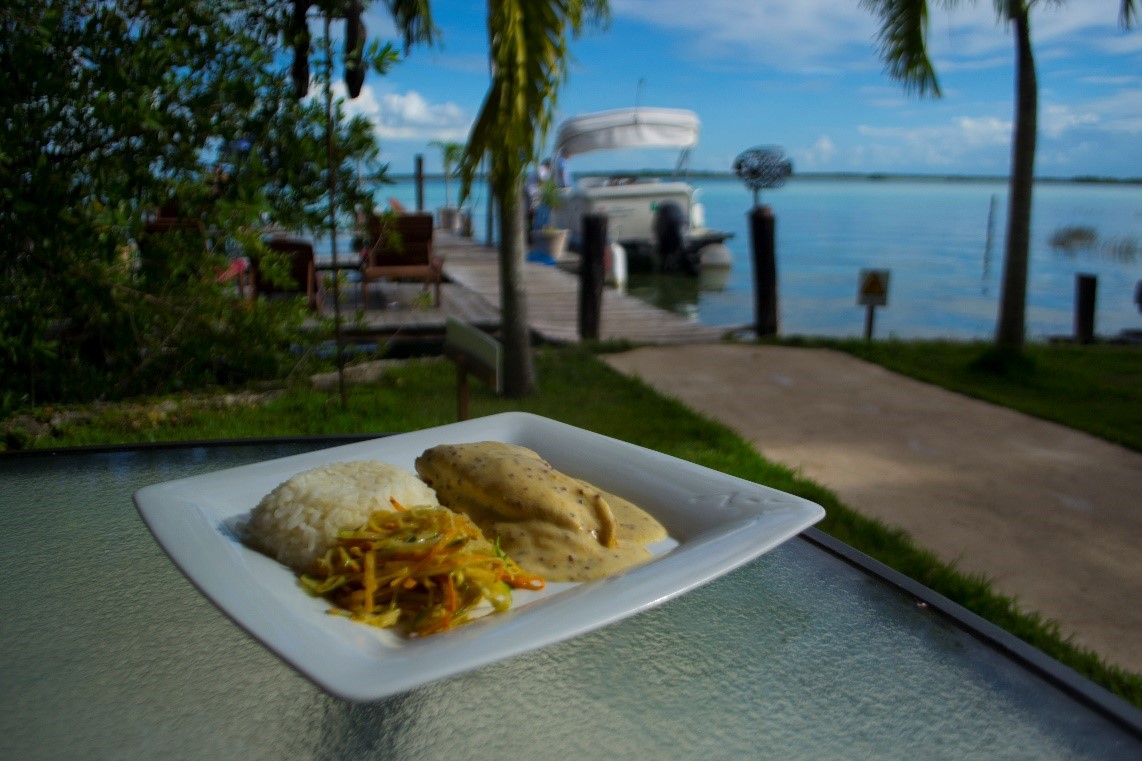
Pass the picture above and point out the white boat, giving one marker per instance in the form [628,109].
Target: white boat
[653,219]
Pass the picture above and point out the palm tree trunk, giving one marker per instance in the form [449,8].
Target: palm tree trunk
[1010,332]
[518,367]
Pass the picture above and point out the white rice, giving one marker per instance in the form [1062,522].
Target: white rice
[299,520]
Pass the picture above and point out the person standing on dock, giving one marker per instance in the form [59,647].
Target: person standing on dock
[562,171]
[536,211]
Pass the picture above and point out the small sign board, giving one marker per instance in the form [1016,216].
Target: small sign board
[873,288]
[480,352]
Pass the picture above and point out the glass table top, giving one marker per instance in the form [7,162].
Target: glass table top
[109,652]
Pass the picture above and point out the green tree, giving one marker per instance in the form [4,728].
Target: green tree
[903,45]
[450,155]
[529,53]
[111,110]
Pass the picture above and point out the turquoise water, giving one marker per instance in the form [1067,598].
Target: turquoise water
[931,235]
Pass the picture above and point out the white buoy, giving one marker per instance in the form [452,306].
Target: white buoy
[697,216]
[618,265]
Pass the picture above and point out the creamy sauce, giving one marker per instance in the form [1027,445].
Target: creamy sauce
[551,524]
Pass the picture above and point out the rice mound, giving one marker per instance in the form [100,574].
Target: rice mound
[299,520]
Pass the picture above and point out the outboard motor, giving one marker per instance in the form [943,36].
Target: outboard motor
[670,238]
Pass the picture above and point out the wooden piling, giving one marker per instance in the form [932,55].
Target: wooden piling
[419,182]
[591,275]
[1086,290]
[762,230]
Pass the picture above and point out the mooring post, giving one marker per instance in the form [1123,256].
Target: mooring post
[419,182]
[1086,289]
[591,275]
[762,232]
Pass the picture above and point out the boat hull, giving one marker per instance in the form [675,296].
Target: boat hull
[629,208]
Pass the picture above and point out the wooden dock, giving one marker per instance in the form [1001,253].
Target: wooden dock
[471,293]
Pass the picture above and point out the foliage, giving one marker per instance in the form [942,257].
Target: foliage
[450,155]
[113,110]
[550,195]
[1071,237]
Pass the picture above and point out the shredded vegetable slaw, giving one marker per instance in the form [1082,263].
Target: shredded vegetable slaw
[426,569]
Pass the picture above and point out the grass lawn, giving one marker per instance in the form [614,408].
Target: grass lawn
[576,388]
[1097,388]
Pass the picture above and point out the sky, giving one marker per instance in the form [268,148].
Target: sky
[804,76]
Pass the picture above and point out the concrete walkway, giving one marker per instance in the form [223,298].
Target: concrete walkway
[1052,516]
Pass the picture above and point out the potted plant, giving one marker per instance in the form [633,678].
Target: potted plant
[450,154]
[551,240]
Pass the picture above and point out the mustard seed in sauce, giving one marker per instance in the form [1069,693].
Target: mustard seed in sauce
[539,513]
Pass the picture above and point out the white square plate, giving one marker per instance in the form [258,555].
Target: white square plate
[716,523]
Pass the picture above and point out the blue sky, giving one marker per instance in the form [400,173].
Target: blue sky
[803,75]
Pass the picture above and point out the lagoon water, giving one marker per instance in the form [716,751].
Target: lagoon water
[933,237]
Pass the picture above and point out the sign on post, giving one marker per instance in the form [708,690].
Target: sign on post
[872,292]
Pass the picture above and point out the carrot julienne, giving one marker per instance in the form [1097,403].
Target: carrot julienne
[425,569]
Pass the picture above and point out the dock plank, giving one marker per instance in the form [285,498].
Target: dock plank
[471,293]
[553,300]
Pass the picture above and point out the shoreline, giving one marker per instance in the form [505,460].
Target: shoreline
[717,174]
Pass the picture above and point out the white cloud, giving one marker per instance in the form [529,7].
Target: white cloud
[982,143]
[824,34]
[408,115]
[1127,124]
[1121,44]
[815,34]
[963,130]
[977,131]
[786,35]
[1056,119]
[1051,23]
[820,153]
[1120,111]
[962,141]
[1111,81]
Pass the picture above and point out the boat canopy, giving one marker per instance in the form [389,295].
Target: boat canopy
[628,128]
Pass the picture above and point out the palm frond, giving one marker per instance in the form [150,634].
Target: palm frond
[529,50]
[413,19]
[902,43]
[1128,14]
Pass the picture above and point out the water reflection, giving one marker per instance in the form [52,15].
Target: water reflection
[678,293]
[670,292]
[713,279]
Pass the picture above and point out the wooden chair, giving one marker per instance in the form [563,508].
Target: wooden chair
[164,234]
[302,272]
[400,248]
